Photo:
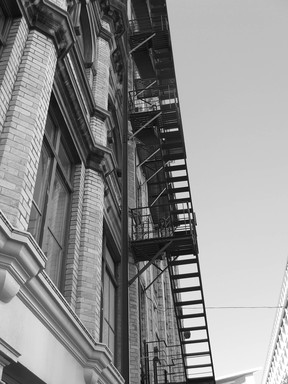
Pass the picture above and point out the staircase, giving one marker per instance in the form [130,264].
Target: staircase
[167,226]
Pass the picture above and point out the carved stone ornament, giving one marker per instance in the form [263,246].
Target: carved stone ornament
[118,64]
[109,10]
[52,21]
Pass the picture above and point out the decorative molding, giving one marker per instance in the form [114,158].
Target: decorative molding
[52,21]
[99,367]
[21,259]
[111,11]
[8,352]
[118,64]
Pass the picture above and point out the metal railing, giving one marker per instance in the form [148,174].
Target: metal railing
[148,222]
[149,24]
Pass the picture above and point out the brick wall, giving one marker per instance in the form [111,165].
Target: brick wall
[74,240]
[9,65]
[88,301]
[22,132]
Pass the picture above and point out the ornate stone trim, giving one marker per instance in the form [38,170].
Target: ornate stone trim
[21,259]
[8,355]
[52,21]
[118,64]
[111,11]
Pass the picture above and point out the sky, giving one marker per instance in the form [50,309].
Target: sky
[231,59]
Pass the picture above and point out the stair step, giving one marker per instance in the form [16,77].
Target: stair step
[195,354]
[175,156]
[180,200]
[172,136]
[174,168]
[177,179]
[188,302]
[198,366]
[183,262]
[201,380]
[179,190]
[191,316]
[197,341]
[200,328]
[185,276]
[186,289]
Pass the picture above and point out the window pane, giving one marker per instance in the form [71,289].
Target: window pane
[58,209]
[2,21]
[109,261]
[54,258]
[111,342]
[106,295]
[105,332]
[64,160]
[40,195]
[50,129]
[42,178]
[112,305]
[34,222]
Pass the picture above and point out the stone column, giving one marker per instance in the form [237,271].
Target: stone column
[23,129]
[88,301]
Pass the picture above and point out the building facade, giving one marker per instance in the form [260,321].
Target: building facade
[95,205]
[276,366]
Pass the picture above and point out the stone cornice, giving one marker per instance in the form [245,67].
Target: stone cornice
[52,21]
[115,11]
[21,259]
[46,302]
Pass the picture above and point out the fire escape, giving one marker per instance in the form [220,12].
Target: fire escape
[167,225]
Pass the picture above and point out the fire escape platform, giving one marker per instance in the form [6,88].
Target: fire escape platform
[166,228]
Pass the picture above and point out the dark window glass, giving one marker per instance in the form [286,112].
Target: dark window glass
[108,301]
[49,214]
[5,23]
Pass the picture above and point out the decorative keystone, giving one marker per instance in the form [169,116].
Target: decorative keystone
[21,259]
[52,21]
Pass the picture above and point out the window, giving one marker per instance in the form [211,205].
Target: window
[109,286]
[5,23]
[51,200]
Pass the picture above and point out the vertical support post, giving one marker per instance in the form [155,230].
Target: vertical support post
[125,356]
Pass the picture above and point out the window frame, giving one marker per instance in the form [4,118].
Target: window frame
[43,231]
[4,31]
[112,276]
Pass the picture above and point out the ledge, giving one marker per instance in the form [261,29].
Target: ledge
[52,21]
[21,259]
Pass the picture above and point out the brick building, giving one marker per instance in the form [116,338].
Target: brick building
[276,366]
[99,271]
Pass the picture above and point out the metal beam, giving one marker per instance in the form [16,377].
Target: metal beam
[160,194]
[143,90]
[143,42]
[145,125]
[148,158]
[150,262]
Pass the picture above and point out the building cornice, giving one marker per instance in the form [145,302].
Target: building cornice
[52,21]
[24,261]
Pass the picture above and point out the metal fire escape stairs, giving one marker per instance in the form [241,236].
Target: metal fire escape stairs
[167,225]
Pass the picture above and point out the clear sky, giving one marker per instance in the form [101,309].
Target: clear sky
[231,60]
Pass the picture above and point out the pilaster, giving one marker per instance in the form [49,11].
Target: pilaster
[23,129]
[88,302]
